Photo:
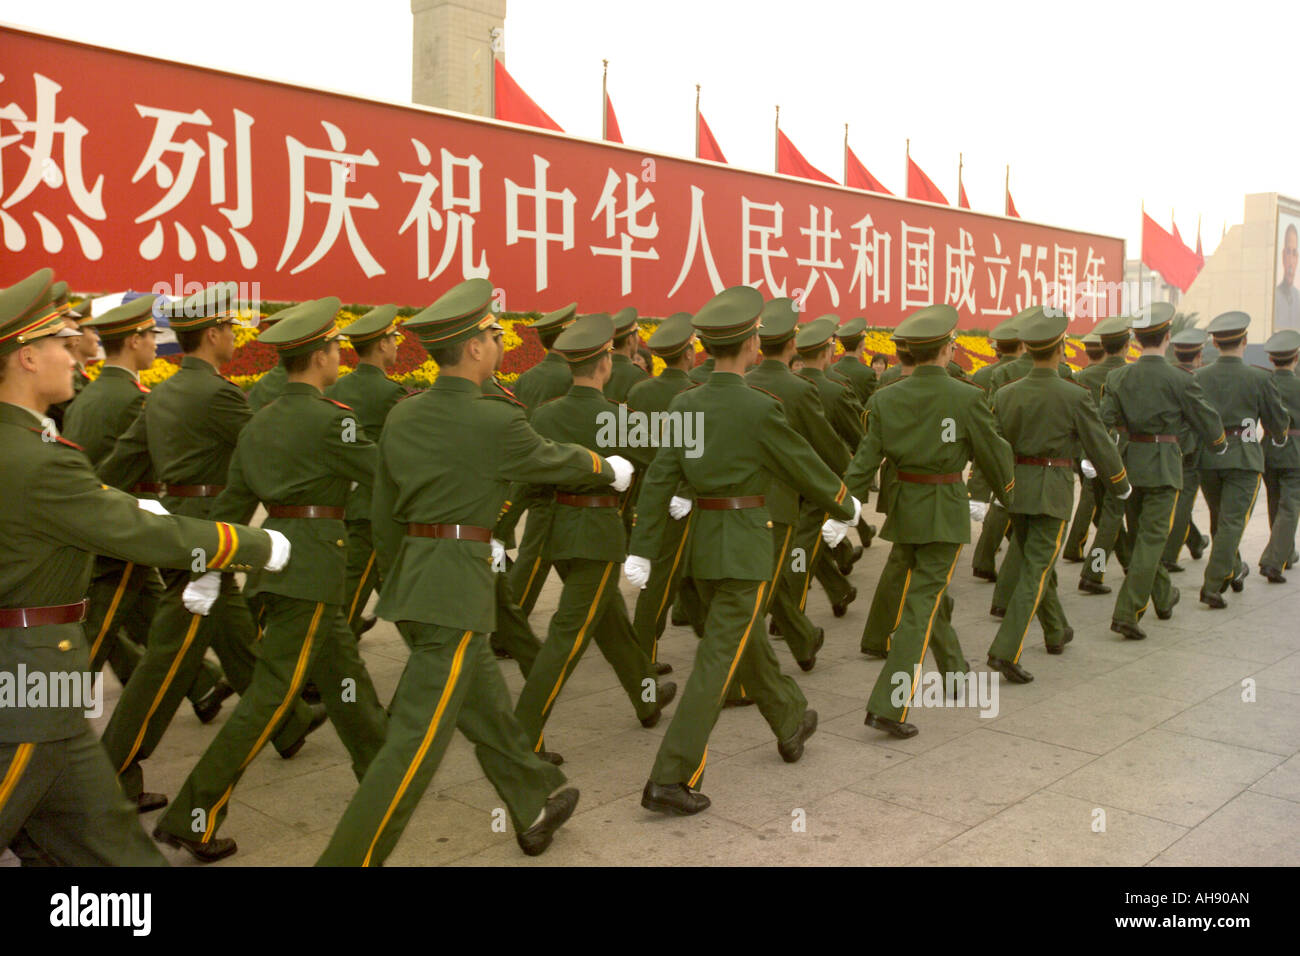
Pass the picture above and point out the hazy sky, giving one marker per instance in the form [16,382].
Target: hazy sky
[1097,106]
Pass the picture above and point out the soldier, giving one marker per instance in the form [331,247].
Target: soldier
[1153,403]
[371,394]
[59,801]
[996,523]
[187,434]
[852,335]
[1282,464]
[587,544]
[929,426]
[123,595]
[626,341]
[700,374]
[271,385]
[84,347]
[1246,398]
[748,446]
[446,458]
[1187,346]
[550,377]
[1087,511]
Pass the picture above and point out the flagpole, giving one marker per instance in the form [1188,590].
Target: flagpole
[846,154]
[1141,252]
[604,101]
[959,165]
[697,121]
[907,157]
[1006,193]
[776,142]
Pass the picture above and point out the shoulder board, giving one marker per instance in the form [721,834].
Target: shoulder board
[508,398]
[58,438]
[141,386]
[759,388]
[346,408]
[502,385]
[967,381]
[1181,369]
[1070,381]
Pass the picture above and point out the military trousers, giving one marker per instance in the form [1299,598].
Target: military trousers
[1230,494]
[688,606]
[734,649]
[1150,512]
[172,659]
[1183,525]
[784,602]
[886,603]
[531,567]
[809,554]
[301,641]
[451,681]
[514,634]
[1109,537]
[60,805]
[1037,541]
[1086,514]
[1283,486]
[650,616]
[925,622]
[591,609]
[996,527]
[363,574]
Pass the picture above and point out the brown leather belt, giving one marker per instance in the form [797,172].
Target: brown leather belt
[41,616]
[1153,439]
[463,532]
[913,478]
[194,491]
[731,504]
[587,501]
[1045,462]
[305,511]
[148,488]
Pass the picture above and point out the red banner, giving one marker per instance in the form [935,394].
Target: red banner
[124,171]
[1167,254]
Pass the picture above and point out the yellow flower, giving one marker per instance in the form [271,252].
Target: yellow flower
[158,372]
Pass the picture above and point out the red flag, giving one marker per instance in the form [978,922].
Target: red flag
[961,196]
[1200,256]
[511,103]
[791,162]
[1165,253]
[708,147]
[612,132]
[1011,207]
[857,176]
[920,186]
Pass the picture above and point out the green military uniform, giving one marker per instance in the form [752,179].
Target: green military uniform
[860,376]
[929,426]
[1282,463]
[1046,419]
[748,447]
[1088,510]
[56,300]
[1246,398]
[372,395]
[626,372]
[270,385]
[59,801]
[1153,404]
[700,374]
[446,459]
[299,456]
[188,433]
[1187,346]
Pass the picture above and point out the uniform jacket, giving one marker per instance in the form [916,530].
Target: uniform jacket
[546,380]
[371,394]
[1244,396]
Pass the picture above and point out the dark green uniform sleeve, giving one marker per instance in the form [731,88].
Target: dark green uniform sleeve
[793,461]
[385,531]
[129,461]
[809,419]
[992,454]
[530,457]
[1096,441]
[237,502]
[867,458]
[1276,419]
[657,488]
[1203,417]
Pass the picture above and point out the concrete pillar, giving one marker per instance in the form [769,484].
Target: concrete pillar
[451,65]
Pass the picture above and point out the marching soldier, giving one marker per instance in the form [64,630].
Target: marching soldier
[446,459]
[369,392]
[84,347]
[1246,398]
[626,373]
[187,434]
[1153,404]
[271,385]
[748,447]
[929,426]
[1187,346]
[996,524]
[59,800]
[550,377]
[1282,464]
[852,335]
[1087,511]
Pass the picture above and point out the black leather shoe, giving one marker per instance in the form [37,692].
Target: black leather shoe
[1214,601]
[867,536]
[791,749]
[738,702]
[811,662]
[674,798]
[551,757]
[985,575]
[1173,567]
[1272,575]
[1066,638]
[318,717]
[855,554]
[1088,586]
[310,693]
[839,610]
[898,728]
[664,694]
[537,837]
[1175,596]
[210,852]
[1239,582]
[1197,548]
[879,655]
[773,628]
[1010,670]
[1130,631]
[662,668]
[149,802]
[209,705]
[996,611]
[678,621]
[500,653]
[366,624]
[1072,559]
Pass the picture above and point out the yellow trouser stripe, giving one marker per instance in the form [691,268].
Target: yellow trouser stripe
[22,757]
[668,582]
[577,646]
[898,618]
[744,639]
[528,585]
[361,586]
[780,561]
[812,560]
[1038,595]
[457,662]
[295,684]
[195,620]
[112,610]
[928,627]
[695,777]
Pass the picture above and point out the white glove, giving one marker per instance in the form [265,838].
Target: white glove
[622,471]
[498,555]
[833,531]
[279,551]
[1124,496]
[152,506]
[201,593]
[679,507]
[1085,466]
[636,570]
[979,510]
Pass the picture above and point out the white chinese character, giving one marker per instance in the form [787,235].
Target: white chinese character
[424,215]
[998,281]
[959,284]
[608,205]
[42,168]
[764,251]
[342,168]
[917,265]
[1028,281]
[1065,261]
[698,241]
[1093,298]
[179,182]
[540,233]
[871,260]
[821,259]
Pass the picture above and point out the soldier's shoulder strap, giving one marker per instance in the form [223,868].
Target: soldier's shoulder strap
[759,388]
[58,438]
[332,401]
[507,397]
[144,389]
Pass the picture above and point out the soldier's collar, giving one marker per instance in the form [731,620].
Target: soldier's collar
[1231,359]
[585,391]
[300,388]
[673,373]
[118,370]
[727,378]
[555,357]
[41,420]
[456,383]
[622,357]
[929,370]
[193,361]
